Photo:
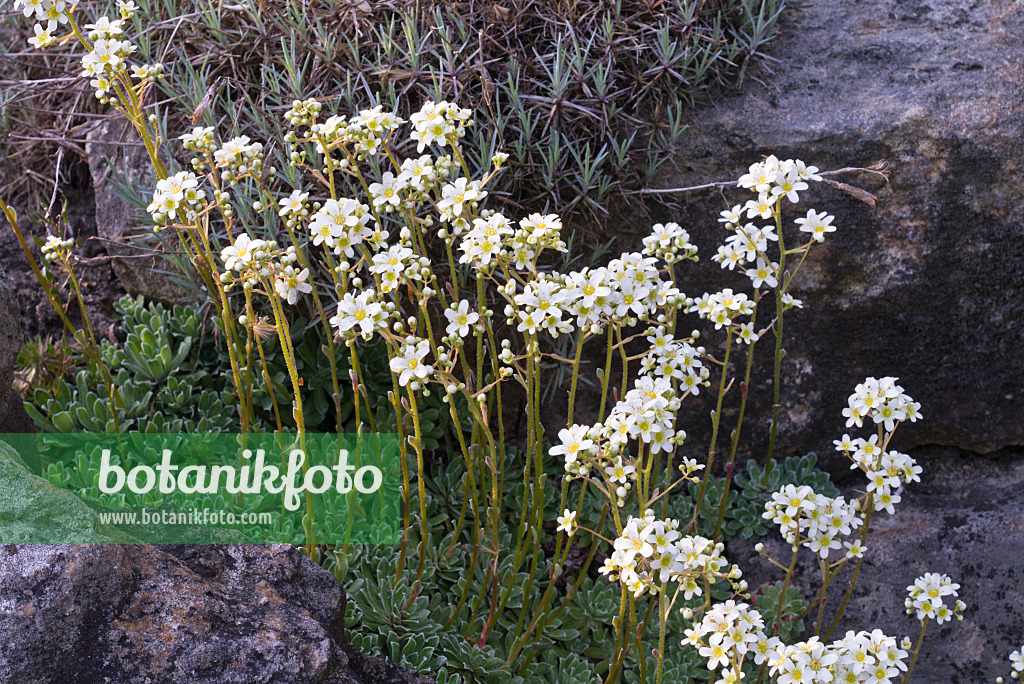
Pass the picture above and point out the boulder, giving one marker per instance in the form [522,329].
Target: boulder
[116,154]
[176,614]
[12,410]
[35,511]
[924,286]
[963,519]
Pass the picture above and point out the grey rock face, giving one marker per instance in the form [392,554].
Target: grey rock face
[965,519]
[34,511]
[12,411]
[116,143]
[927,285]
[176,614]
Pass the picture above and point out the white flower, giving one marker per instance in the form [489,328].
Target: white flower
[410,364]
[198,134]
[231,151]
[460,318]
[455,195]
[574,443]
[290,285]
[816,224]
[485,241]
[238,255]
[567,522]
[361,313]
[1017,660]
[293,203]
[746,334]
[41,39]
[789,185]
[764,273]
[103,28]
[789,301]
[387,191]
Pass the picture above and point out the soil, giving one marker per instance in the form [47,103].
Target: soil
[99,284]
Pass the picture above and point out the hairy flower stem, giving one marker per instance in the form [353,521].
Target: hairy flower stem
[421,482]
[331,352]
[917,649]
[284,335]
[395,397]
[779,351]
[662,628]
[620,637]
[263,361]
[744,392]
[777,622]
[716,420]
[553,615]
[113,394]
[575,376]
[856,570]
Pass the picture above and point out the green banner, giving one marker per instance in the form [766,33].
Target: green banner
[200,488]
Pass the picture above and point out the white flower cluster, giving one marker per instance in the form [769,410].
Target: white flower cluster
[730,631]
[50,11]
[883,401]
[238,157]
[818,522]
[536,233]
[723,309]
[676,360]
[175,197]
[439,123]
[629,289]
[364,132]
[248,261]
[486,240]
[651,553]
[105,61]
[107,52]
[727,633]
[54,249]
[397,265]
[341,225]
[887,405]
[861,657]
[813,520]
[927,598]
[416,178]
[669,242]
[747,247]
[773,179]
[646,414]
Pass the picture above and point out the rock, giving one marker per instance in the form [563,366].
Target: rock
[963,519]
[175,614]
[114,142]
[34,511]
[12,410]
[926,285]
